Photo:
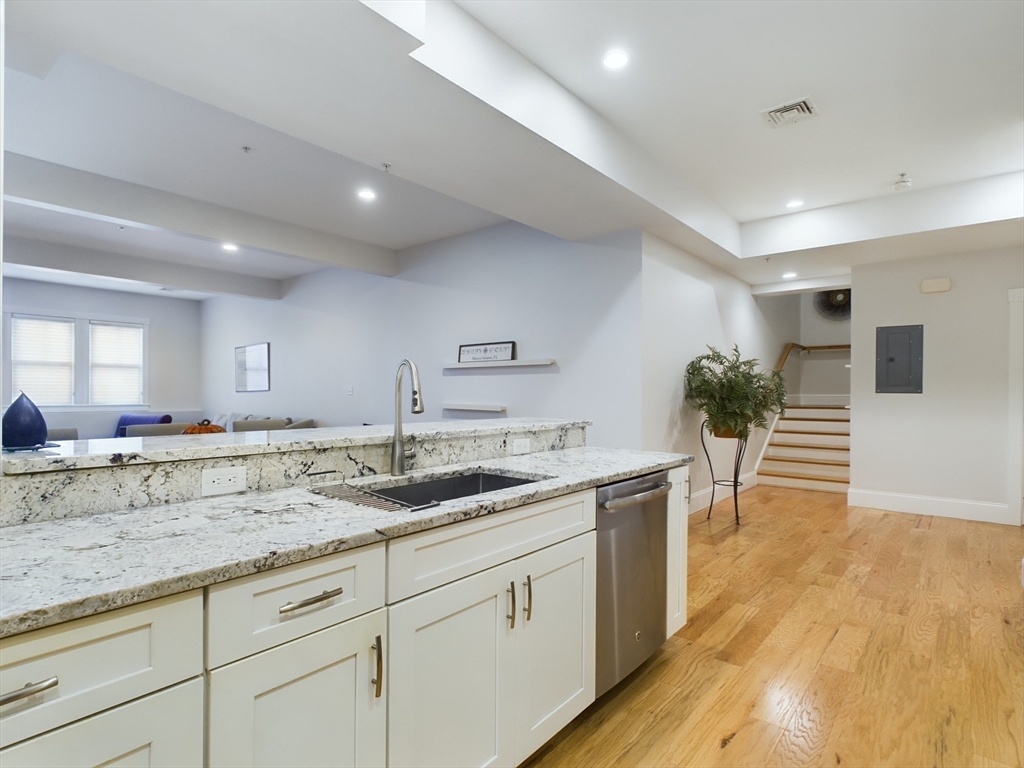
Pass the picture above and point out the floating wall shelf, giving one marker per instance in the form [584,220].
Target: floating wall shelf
[469,407]
[500,364]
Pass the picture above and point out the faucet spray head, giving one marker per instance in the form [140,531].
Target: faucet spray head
[417,400]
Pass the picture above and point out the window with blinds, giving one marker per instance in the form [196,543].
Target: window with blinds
[115,363]
[43,359]
[75,360]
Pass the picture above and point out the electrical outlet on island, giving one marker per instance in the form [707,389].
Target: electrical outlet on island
[520,445]
[223,480]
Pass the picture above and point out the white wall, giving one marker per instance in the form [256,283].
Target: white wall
[332,331]
[823,375]
[688,305]
[175,360]
[942,452]
[575,302]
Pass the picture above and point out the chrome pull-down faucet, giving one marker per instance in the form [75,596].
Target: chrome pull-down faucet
[398,452]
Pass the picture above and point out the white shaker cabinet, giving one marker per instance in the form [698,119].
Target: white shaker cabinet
[483,675]
[555,640]
[319,700]
[162,730]
[678,526]
[451,659]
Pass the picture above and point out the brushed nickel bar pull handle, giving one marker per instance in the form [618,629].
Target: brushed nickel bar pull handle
[378,681]
[512,616]
[327,594]
[627,501]
[30,689]
[529,597]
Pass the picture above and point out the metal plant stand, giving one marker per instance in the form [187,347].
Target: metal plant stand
[741,448]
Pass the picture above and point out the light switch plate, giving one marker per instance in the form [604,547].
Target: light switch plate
[223,480]
[520,445]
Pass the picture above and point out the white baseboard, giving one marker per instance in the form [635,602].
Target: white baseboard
[963,509]
[699,500]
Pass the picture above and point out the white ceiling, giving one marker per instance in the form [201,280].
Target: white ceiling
[935,90]
[92,117]
[36,223]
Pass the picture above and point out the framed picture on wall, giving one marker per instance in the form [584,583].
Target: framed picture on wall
[252,368]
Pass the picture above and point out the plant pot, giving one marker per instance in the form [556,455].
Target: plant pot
[726,432]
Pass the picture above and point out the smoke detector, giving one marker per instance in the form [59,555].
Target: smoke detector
[791,112]
[902,182]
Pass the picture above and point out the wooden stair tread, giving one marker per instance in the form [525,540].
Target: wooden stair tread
[810,432]
[812,418]
[818,407]
[798,460]
[820,446]
[803,476]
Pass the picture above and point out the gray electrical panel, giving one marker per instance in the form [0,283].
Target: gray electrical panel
[899,358]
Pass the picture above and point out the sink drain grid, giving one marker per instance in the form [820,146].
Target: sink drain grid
[346,492]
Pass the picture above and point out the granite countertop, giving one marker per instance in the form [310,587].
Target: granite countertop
[60,570]
[114,451]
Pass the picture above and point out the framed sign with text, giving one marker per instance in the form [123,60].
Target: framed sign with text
[494,351]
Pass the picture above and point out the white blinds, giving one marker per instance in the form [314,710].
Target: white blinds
[43,359]
[115,363]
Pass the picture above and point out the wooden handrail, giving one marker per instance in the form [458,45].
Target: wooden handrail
[793,345]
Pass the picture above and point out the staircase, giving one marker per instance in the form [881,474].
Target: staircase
[809,448]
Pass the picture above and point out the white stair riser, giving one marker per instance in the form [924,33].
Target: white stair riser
[806,453]
[806,469]
[808,485]
[818,413]
[817,426]
[814,438]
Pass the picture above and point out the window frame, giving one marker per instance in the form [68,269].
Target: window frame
[81,357]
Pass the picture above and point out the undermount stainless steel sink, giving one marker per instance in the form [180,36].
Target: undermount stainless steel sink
[447,488]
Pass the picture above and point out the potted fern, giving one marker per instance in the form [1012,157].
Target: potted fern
[732,394]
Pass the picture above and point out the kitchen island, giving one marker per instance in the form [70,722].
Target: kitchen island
[249,616]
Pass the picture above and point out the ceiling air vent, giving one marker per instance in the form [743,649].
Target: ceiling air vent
[790,113]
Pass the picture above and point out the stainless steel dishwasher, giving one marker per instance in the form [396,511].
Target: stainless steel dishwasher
[632,543]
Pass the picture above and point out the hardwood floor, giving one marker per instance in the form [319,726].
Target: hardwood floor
[826,635]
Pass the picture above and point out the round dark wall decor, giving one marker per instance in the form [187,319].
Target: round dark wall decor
[834,305]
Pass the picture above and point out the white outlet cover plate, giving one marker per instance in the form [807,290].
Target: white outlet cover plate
[520,445]
[221,480]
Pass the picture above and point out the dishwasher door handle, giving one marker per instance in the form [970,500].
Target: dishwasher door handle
[660,490]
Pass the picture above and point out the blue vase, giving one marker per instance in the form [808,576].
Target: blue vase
[23,424]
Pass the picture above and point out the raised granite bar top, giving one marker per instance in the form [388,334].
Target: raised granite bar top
[117,451]
[60,570]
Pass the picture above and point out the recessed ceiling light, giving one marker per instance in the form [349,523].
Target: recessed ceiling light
[616,59]
[794,203]
[789,275]
[367,194]
[229,247]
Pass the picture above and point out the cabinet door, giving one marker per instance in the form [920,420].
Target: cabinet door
[162,730]
[309,702]
[451,659]
[554,639]
[678,525]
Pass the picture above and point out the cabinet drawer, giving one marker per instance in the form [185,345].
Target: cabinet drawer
[99,662]
[164,730]
[249,615]
[429,559]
